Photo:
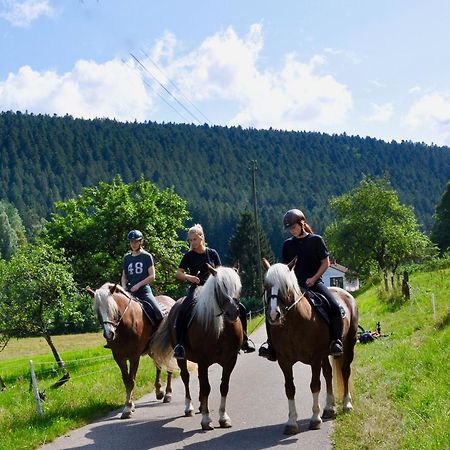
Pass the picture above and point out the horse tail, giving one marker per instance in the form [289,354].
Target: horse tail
[338,379]
[160,347]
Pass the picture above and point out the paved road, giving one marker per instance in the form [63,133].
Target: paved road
[256,404]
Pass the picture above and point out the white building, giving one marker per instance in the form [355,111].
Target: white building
[340,276]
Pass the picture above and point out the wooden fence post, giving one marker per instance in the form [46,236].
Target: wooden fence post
[36,390]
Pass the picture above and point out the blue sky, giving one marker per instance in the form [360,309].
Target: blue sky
[368,68]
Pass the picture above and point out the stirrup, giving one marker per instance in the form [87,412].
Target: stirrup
[248,346]
[178,352]
[336,348]
[267,352]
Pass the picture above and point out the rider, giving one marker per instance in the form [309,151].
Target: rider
[138,272]
[312,261]
[193,269]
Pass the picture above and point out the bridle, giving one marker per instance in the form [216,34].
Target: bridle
[286,308]
[116,324]
[223,297]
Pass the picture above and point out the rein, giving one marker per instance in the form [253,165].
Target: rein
[288,308]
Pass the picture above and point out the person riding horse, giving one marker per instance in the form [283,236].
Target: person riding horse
[193,269]
[312,261]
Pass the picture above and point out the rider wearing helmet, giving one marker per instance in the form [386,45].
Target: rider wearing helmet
[312,262]
[138,272]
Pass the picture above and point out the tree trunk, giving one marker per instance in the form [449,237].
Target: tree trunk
[2,384]
[386,281]
[58,359]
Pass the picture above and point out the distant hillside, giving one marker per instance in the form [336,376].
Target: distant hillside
[44,159]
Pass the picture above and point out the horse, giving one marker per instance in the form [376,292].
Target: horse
[214,336]
[299,333]
[129,332]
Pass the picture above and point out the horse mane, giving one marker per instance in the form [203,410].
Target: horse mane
[104,301]
[208,312]
[283,278]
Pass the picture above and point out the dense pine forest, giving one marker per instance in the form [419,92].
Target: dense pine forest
[44,159]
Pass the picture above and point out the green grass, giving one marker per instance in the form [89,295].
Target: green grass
[401,383]
[95,388]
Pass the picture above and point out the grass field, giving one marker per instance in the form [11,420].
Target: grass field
[401,382]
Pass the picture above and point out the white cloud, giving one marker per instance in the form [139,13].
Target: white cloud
[225,67]
[381,113]
[430,116]
[91,90]
[414,90]
[23,13]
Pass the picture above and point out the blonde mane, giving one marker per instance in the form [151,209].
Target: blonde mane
[104,303]
[284,279]
[226,282]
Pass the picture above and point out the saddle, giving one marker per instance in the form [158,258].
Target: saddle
[321,304]
[149,312]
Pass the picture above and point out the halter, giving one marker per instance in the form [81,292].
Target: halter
[286,308]
[116,324]
[219,294]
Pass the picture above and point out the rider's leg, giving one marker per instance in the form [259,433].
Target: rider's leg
[268,351]
[146,295]
[247,346]
[181,324]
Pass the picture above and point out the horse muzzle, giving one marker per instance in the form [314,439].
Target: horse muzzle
[274,316]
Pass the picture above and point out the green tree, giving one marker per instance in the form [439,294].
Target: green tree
[93,227]
[440,231]
[12,231]
[242,248]
[36,286]
[372,229]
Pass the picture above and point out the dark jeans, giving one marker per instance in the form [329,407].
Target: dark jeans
[145,295]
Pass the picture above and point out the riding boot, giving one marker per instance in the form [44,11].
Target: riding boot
[336,330]
[268,351]
[247,345]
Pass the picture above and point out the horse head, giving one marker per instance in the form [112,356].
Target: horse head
[281,288]
[107,309]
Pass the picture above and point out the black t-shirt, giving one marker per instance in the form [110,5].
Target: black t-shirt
[310,251]
[195,263]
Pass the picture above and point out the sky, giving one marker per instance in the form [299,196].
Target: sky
[368,68]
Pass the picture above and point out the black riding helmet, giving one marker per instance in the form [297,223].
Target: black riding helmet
[135,235]
[292,217]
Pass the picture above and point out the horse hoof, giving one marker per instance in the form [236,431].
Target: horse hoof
[347,408]
[225,423]
[207,426]
[329,414]
[159,395]
[167,398]
[126,415]
[189,413]
[290,429]
[315,424]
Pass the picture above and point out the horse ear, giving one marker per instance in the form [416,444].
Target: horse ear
[236,266]
[211,270]
[266,263]
[291,265]
[90,291]
[112,288]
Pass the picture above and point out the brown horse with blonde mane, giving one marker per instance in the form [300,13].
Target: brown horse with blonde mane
[129,332]
[299,333]
[213,336]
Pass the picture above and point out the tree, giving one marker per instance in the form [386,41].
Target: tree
[12,231]
[36,286]
[242,248]
[372,229]
[93,228]
[440,231]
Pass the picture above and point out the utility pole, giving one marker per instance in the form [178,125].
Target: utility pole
[258,245]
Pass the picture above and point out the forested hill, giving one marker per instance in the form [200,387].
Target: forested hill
[44,159]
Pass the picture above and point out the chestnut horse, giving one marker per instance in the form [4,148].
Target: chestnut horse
[299,333]
[213,336]
[128,333]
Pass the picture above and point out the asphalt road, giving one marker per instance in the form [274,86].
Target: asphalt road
[256,404]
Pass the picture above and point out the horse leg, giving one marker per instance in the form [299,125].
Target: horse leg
[129,404]
[159,393]
[188,407]
[205,389]
[168,395]
[224,418]
[291,426]
[330,408]
[315,422]
[346,372]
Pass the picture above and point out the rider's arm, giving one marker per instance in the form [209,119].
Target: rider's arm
[181,275]
[324,264]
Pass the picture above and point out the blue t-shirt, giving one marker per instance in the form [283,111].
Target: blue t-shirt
[136,267]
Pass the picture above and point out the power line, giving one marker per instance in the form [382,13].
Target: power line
[162,85]
[175,86]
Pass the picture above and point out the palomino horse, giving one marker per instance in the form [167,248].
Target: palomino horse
[128,333]
[299,333]
[214,336]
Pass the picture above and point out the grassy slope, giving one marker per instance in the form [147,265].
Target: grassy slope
[401,382]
